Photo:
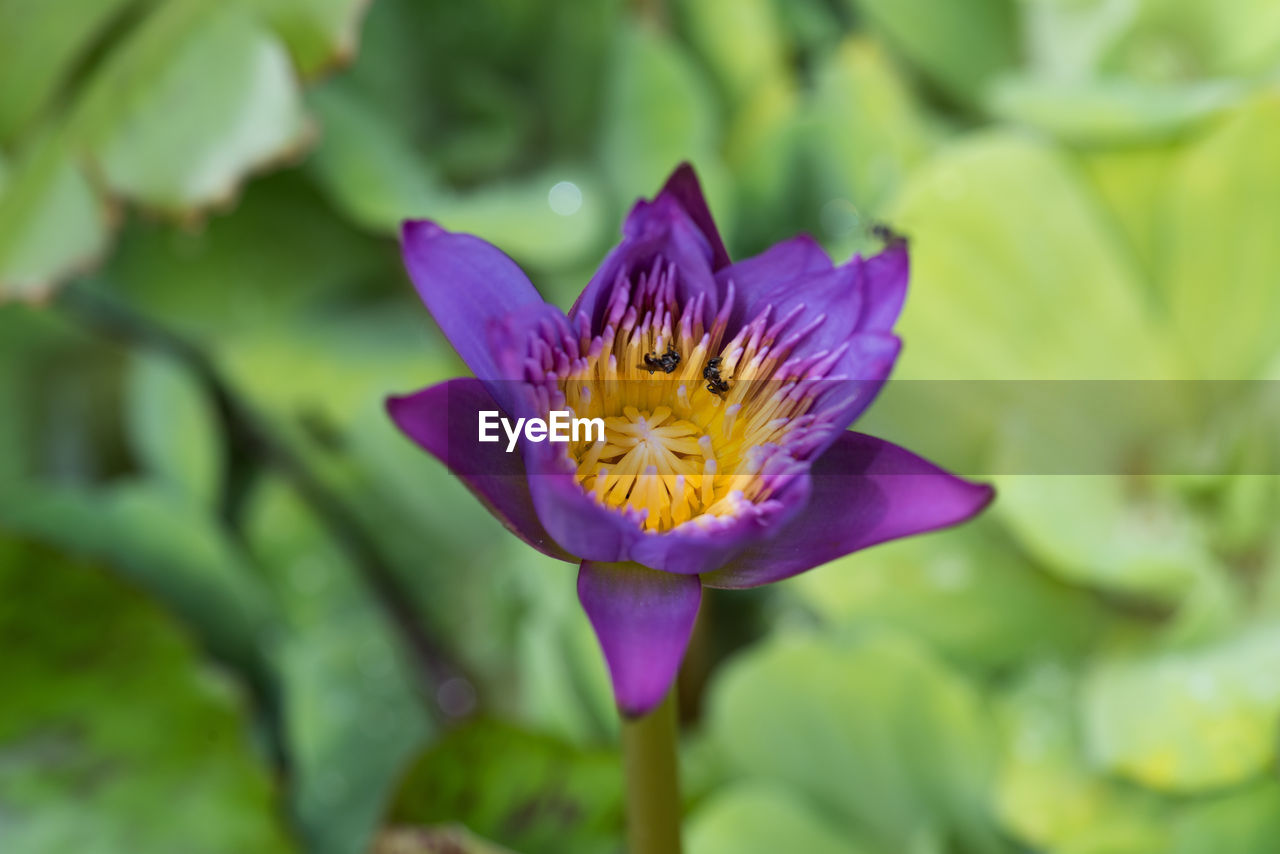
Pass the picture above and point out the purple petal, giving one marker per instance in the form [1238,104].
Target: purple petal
[528,346]
[467,284]
[593,531]
[859,296]
[865,491]
[572,517]
[767,278]
[443,420]
[643,619]
[852,385]
[698,548]
[677,227]
[884,285]
[683,186]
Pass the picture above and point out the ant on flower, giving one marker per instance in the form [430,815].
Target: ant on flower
[887,235]
[711,373]
[666,363]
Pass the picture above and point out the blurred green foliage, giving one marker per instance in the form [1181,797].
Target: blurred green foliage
[240,613]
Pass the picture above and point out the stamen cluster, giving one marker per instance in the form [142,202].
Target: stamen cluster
[695,443]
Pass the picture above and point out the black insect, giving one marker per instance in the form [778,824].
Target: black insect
[666,363]
[716,384]
[887,235]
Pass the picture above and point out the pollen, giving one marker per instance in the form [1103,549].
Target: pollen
[676,451]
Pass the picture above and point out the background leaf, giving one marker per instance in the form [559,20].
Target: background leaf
[960,48]
[762,818]
[530,792]
[181,740]
[1216,725]
[1087,189]
[872,730]
[1224,190]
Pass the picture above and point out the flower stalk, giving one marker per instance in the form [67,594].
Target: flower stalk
[653,789]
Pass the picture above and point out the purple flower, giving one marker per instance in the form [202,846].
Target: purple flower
[725,390]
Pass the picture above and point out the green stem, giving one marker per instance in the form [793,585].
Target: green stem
[653,786]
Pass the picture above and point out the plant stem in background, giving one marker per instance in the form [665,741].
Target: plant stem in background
[653,786]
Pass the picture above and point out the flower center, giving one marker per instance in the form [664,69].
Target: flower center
[689,420]
[659,464]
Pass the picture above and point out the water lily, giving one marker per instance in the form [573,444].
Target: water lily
[725,389]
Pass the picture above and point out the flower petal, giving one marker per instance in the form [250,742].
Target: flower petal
[587,528]
[859,296]
[573,518]
[767,278]
[684,188]
[643,619]
[884,287]
[443,419]
[865,491]
[851,385]
[466,284]
[677,227]
[708,544]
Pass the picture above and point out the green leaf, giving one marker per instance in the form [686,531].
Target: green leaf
[872,730]
[552,220]
[1242,822]
[379,175]
[109,702]
[1185,39]
[994,299]
[40,44]
[367,162]
[759,818]
[51,220]
[866,133]
[1110,111]
[1220,261]
[166,104]
[1250,506]
[564,686]
[60,390]
[1048,794]
[1089,529]
[172,135]
[235,283]
[764,152]
[169,547]
[318,33]
[1067,40]
[352,718]
[968,592]
[1179,43]
[659,113]
[1132,184]
[1269,588]
[959,46]
[173,428]
[1217,706]
[489,90]
[738,40]
[311,330]
[530,792]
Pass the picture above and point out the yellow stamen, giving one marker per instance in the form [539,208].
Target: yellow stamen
[673,450]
